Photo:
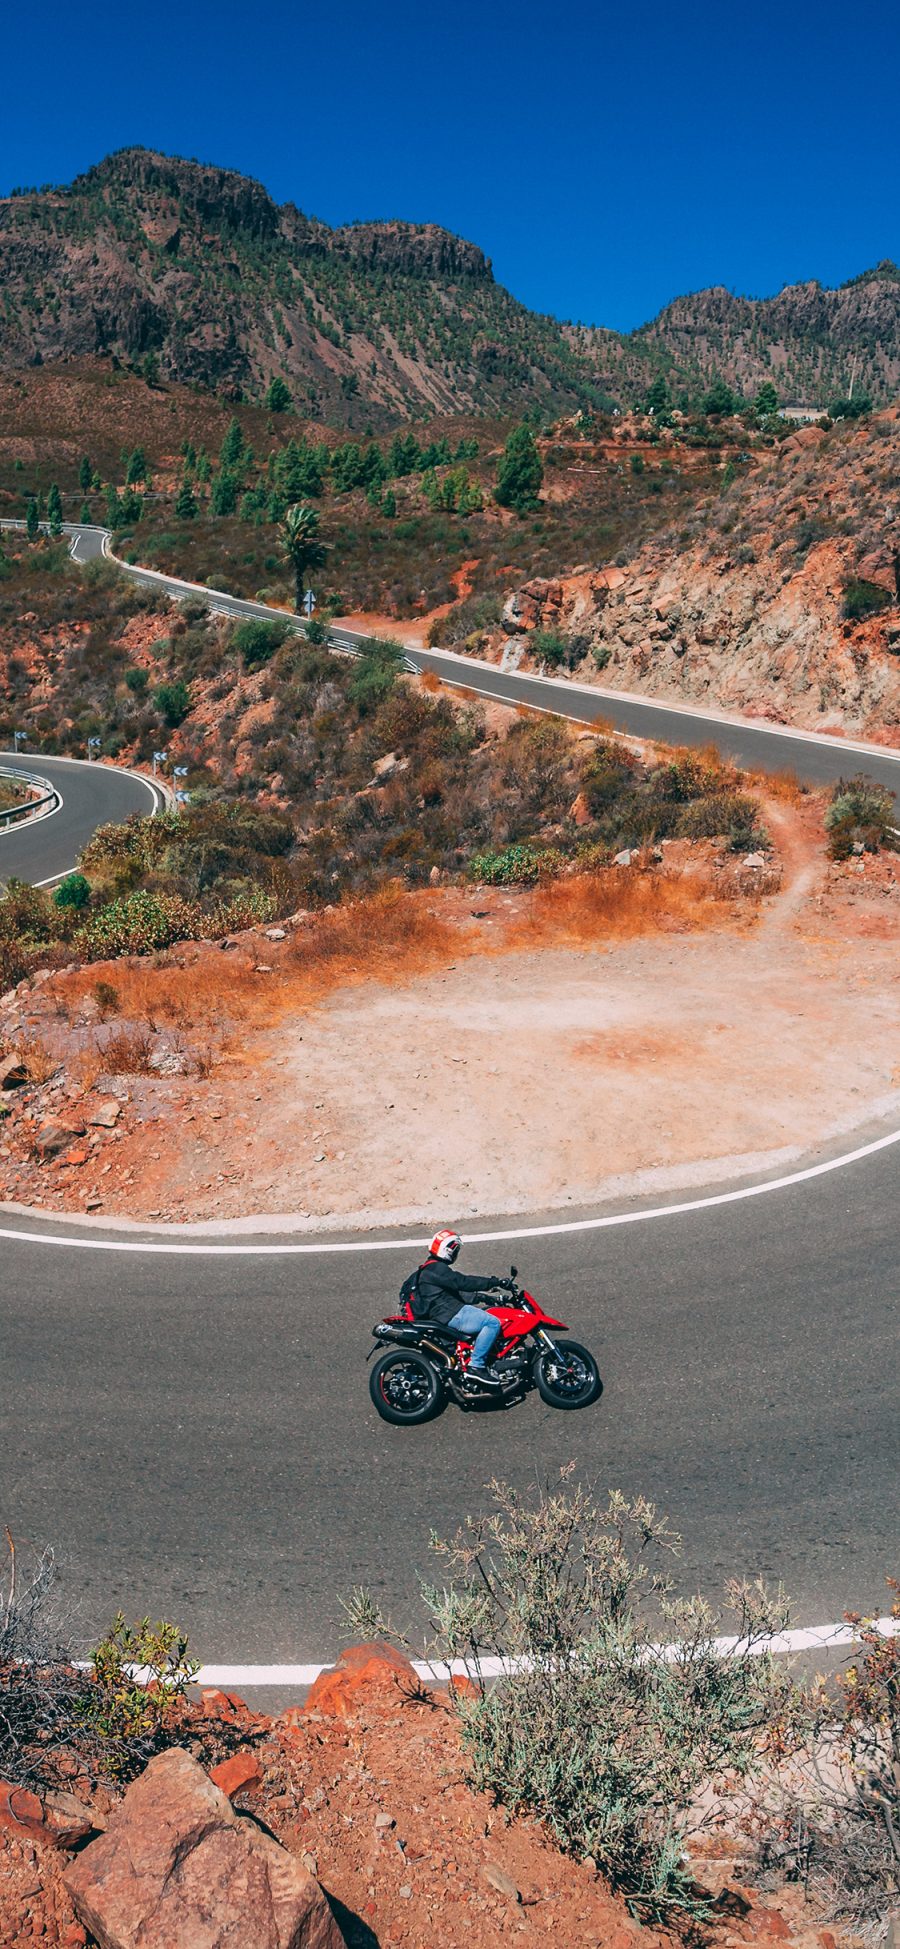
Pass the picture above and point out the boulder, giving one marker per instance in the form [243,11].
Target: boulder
[52,1137]
[105,1113]
[59,1820]
[362,1670]
[179,1869]
[236,1774]
[580,811]
[13,1073]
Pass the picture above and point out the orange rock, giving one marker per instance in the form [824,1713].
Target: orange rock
[234,1775]
[769,1922]
[59,1821]
[580,811]
[463,1688]
[357,1655]
[361,1668]
[21,1810]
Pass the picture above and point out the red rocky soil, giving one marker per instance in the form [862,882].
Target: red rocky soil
[365,1784]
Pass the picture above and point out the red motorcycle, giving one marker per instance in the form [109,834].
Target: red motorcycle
[426,1364]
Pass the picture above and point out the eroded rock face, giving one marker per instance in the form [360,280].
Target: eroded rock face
[179,1869]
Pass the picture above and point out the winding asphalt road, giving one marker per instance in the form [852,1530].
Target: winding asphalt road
[189,1424]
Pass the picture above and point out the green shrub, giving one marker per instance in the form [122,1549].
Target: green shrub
[132,1718]
[558,649]
[518,865]
[375,673]
[137,681]
[257,640]
[861,814]
[862,599]
[139,924]
[74,891]
[173,700]
[720,814]
[594,1734]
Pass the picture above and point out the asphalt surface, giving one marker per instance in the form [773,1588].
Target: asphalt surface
[195,1434]
[195,1437]
[42,850]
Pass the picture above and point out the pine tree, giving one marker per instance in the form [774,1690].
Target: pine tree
[86,515]
[54,510]
[389,505]
[519,473]
[224,497]
[32,520]
[136,469]
[185,504]
[232,448]
[277,397]
[85,474]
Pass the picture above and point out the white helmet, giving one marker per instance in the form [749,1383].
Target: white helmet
[446,1245]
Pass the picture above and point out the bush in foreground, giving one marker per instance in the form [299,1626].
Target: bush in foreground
[861,814]
[57,1717]
[593,1732]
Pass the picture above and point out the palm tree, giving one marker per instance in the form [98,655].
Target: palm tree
[301,544]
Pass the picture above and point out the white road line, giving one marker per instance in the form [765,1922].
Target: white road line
[817,1637]
[321,1247]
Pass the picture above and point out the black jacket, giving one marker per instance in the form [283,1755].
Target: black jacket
[441,1290]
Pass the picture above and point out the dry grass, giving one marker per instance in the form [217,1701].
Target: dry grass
[127,1052]
[390,936]
[613,906]
[782,785]
[219,1002]
[40,1062]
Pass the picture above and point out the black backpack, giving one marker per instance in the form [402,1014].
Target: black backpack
[409,1291]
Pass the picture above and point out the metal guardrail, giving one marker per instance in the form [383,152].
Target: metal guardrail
[39,807]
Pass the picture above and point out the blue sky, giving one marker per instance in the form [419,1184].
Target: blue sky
[606,158]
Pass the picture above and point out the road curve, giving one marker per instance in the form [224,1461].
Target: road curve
[195,1436]
[42,850]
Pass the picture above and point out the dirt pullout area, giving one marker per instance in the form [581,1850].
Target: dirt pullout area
[470,1051]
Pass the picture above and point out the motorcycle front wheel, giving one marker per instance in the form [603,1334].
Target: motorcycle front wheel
[406,1388]
[567,1376]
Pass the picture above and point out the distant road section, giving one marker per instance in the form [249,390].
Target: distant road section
[92,795]
[813,756]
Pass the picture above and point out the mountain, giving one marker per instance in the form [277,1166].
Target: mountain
[198,268]
[811,342]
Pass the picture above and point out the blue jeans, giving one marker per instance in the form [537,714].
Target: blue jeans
[487,1330]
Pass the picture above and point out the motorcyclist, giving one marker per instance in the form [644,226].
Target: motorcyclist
[438,1295]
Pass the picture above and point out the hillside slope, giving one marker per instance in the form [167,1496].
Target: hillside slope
[197,267]
[779,597]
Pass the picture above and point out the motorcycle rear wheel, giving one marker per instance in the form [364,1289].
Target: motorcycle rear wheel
[570,1382]
[406,1388]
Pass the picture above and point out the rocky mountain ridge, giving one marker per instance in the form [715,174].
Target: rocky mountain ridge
[194,268]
